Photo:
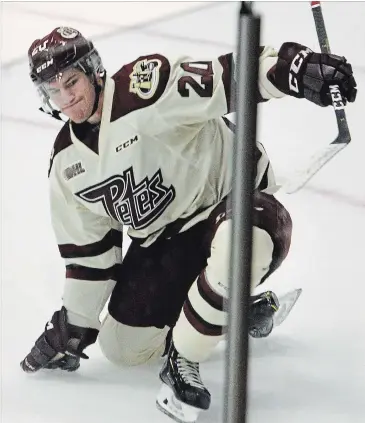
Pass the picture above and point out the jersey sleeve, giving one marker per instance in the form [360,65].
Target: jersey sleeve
[188,91]
[91,247]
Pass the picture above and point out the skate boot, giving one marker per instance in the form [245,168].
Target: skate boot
[261,314]
[183,394]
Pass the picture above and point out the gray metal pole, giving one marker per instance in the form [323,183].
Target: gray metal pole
[235,409]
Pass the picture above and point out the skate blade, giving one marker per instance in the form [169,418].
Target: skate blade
[287,302]
[180,412]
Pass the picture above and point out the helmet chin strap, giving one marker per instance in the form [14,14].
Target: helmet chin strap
[98,90]
[97,98]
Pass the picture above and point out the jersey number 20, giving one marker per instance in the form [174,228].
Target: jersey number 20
[204,88]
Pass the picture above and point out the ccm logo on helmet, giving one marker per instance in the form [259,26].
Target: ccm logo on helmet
[295,66]
[44,66]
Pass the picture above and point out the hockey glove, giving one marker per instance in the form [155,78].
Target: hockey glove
[60,346]
[301,73]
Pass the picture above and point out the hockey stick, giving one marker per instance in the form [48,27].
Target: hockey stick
[343,138]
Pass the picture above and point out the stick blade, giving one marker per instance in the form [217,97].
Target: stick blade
[301,177]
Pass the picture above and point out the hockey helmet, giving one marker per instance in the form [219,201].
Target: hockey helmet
[62,49]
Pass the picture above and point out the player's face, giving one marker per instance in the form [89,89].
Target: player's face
[73,94]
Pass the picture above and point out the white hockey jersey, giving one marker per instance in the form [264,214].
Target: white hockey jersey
[159,161]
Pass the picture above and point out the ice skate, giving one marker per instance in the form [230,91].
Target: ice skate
[261,314]
[183,395]
[267,311]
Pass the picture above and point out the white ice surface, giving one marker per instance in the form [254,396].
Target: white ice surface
[312,368]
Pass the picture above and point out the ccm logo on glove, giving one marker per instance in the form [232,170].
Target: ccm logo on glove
[336,97]
[295,66]
[318,77]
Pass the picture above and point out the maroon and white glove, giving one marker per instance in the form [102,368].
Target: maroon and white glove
[60,346]
[301,73]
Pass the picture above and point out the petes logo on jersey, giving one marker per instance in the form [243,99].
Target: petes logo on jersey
[144,78]
[135,205]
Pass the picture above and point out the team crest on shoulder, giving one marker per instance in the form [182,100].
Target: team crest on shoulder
[145,77]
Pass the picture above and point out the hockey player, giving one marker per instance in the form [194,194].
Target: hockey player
[150,148]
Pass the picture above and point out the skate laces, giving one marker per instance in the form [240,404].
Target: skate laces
[189,372]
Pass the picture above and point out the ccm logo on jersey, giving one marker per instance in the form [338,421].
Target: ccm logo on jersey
[144,78]
[295,66]
[73,170]
[126,144]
